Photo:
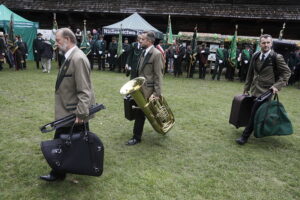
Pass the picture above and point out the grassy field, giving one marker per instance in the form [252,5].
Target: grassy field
[198,159]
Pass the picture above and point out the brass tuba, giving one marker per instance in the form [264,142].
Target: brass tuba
[157,111]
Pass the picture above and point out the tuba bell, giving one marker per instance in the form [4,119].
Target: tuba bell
[157,111]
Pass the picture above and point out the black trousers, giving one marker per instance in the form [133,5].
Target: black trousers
[249,128]
[37,64]
[190,70]
[230,73]
[65,130]
[91,60]
[177,67]
[244,71]
[218,70]
[101,62]
[202,70]
[139,124]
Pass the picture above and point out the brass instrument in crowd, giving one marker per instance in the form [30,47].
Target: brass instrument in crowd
[157,111]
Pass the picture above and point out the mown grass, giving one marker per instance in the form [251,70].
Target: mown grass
[198,159]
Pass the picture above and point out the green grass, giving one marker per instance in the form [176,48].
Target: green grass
[198,159]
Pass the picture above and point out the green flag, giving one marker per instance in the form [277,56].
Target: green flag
[169,32]
[11,42]
[194,42]
[257,46]
[233,48]
[85,44]
[54,29]
[120,45]
[257,42]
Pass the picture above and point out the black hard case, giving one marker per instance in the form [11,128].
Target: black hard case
[82,153]
[129,107]
[241,110]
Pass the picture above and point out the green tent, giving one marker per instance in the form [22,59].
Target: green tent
[22,26]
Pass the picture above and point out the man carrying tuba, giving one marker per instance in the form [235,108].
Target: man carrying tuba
[150,66]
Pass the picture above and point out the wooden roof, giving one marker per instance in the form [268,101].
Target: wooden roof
[243,9]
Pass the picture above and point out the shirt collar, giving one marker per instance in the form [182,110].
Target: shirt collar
[68,53]
[266,54]
[148,49]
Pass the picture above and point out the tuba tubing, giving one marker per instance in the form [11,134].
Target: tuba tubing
[157,111]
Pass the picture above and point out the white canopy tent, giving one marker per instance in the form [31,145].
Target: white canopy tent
[131,26]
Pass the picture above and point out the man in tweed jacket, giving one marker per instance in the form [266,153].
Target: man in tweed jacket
[73,89]
[267,70]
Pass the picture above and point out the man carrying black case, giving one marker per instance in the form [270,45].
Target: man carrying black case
[267,71]
[73,90]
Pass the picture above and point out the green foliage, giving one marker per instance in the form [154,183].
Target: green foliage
[198,159]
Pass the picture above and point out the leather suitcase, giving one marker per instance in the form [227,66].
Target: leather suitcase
[241,110]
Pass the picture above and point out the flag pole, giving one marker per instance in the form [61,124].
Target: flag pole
[281,32]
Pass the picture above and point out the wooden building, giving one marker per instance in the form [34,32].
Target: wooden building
[214,16]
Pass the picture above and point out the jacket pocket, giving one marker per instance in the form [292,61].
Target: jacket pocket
[68,75]
[150,84]
[71,106]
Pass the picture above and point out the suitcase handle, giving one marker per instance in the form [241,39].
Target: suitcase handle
[265,95]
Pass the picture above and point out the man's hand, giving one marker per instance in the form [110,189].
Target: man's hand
[78,121]
[274,89]
[153,97]
[246,92]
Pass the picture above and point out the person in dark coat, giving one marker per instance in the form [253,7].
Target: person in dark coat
[46,55]
[202,56]
[22,46]
[261,77]
[245,61]
[17,53]
[124,55]
[37,46]
[112,54]
[2,50]
[100,48]
[178,58]
[92,52]
[133,58]
[221,58]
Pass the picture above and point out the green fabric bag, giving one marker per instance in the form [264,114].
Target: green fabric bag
[272,119]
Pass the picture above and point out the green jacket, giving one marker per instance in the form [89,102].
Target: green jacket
[261,75]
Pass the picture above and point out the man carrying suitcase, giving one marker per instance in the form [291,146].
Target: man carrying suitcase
[73,90]
[267,70]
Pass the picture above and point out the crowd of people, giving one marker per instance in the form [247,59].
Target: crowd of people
[13,54]
[179,57]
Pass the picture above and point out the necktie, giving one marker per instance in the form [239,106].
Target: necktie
[263,57]
[144,52]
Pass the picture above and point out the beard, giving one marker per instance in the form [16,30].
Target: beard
[63,47]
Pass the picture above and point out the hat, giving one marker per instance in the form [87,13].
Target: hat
[1,34]
[126,38]
[113,38]
[39,34]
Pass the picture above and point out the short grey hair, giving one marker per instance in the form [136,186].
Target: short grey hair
[265,36]
[150,36]
[68,33]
